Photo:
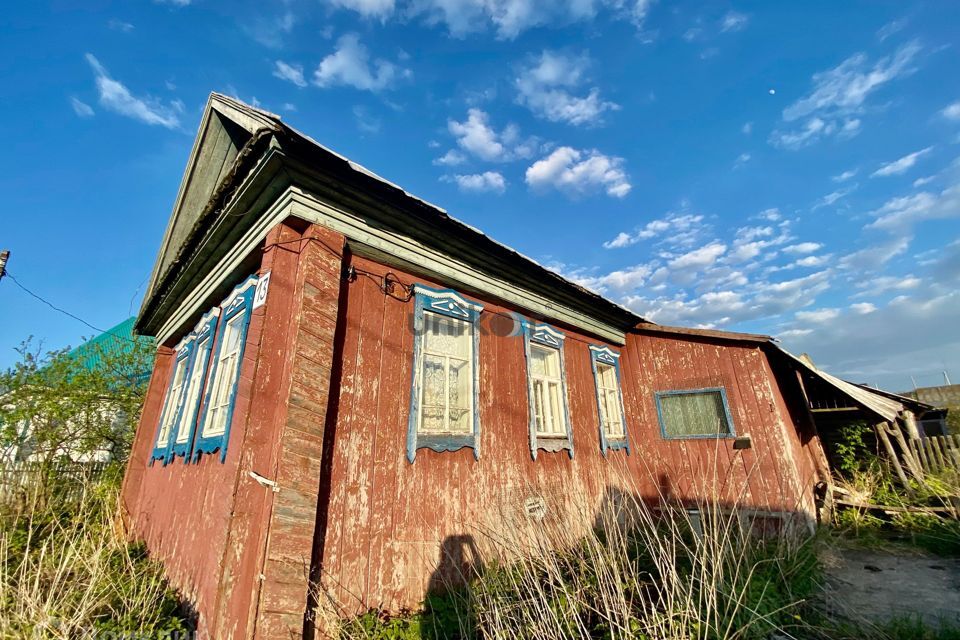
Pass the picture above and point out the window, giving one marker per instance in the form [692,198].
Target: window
[443,401]
[609,392]
[198,373]
[172,403]
[550,427]
[221,386]
[699,413]
[606,373]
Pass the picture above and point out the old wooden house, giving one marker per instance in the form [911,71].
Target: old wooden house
[347,376]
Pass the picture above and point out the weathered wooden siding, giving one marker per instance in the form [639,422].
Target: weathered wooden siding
[388,518]
[239,552]
[352,510]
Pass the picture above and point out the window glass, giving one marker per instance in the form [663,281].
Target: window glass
[696,413]
[197,375]
[608,391]
[172,402]
[446,403]
[547,391]
[225,377]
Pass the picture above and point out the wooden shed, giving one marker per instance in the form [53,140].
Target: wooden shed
[349,380]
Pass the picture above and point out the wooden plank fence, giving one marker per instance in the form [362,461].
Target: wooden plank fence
[938,453]
[67,478]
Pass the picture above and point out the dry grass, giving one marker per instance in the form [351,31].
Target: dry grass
[67,571]
[630,569]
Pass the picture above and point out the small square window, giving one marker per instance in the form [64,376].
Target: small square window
[700,413]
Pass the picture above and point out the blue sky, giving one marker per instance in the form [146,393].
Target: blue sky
[787,169]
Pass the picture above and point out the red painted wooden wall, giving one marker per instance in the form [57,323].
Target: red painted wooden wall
[388,518]
[322,409]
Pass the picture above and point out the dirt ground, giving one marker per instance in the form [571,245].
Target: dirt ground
[878,585]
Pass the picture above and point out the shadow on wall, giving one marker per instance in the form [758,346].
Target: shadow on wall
[547,571]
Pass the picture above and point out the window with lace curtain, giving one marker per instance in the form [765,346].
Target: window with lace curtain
[443,414]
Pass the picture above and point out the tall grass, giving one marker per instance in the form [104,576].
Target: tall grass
[67,571]
[638,570]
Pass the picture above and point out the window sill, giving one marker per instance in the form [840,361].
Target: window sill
[440,442]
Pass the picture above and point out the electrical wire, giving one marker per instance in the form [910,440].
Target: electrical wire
[63,311]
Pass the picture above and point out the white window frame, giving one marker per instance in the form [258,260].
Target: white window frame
[603,356]
[546,338]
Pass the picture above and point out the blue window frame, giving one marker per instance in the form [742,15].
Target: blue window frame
[550,427]
[612,418]
[201,346]
[444,395]
[172,402]
[213,430]
[695,413]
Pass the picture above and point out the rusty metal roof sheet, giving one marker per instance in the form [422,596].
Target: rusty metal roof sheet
[877,403]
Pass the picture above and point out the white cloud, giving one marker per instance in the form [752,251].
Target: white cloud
[509,18]
[81,108]
[366,121]
[117,98]
[367,8]
[952,111]
[450,159]
[747,128]
[875,256]
[579,172]
[289,72]
[843,89]
[812,261]
[772,215]
[120,25]
[733,21]
[817,316]
[741,160]
[839,94]
[546,86]
[683,229]
[846,175]
[891,28]
[901,165]
[488,181]
[350,65]
[885,284]
[175,3]
[700,258]
[919,182]
[475,136]
[890,344]
[863,308]
[619,281]
[898,215]
[272,32]
[834,197]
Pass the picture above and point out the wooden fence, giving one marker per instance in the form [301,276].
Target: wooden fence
[66,478]
[938,453]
